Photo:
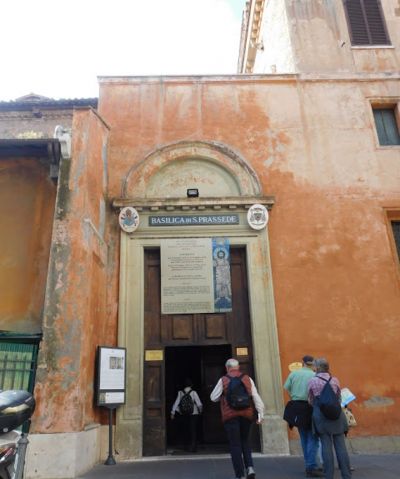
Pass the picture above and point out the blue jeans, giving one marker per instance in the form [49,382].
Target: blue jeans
[309,444]
[337,440]
[238,430]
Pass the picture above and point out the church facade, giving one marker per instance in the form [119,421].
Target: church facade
[309,130]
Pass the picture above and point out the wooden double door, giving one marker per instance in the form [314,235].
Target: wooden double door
[194,346]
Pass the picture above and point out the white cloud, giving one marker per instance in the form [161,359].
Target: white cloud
[58,48]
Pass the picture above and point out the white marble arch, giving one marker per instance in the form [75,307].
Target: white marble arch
[212,167]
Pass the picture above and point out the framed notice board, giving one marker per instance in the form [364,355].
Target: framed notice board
[111,376]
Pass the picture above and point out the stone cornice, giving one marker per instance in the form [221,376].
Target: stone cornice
[251,78]
[251,29]
[194,204]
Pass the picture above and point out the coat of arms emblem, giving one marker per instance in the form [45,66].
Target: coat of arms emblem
[257,216]
[128,219]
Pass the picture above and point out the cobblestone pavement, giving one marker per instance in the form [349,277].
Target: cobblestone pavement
[219,467]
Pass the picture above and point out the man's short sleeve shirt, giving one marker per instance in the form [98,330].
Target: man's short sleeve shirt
[297,383]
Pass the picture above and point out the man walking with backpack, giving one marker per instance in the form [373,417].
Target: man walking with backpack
[328,418]
[238,396]
[189,406]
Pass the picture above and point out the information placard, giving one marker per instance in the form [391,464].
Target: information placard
[186,276]
[111,376]
[195,276]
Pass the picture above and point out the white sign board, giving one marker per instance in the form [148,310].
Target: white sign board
[112,369]
[187,276]
[111,376]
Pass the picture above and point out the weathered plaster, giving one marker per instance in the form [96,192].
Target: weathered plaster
[312,142]
[74,326]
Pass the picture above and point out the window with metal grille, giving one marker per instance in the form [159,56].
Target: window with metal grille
[386,126]
[396,235]
[366,22]
[18,360]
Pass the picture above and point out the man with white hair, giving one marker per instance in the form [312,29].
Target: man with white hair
[238,397]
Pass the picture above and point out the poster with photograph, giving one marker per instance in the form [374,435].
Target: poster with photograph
[111,366]
[222,275]
[195,276]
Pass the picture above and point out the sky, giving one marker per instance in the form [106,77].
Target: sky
[57,49]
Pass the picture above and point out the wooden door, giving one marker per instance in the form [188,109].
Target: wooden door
[161,331]
[213,360]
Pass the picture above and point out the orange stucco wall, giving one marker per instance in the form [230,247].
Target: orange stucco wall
[75,319]
[27,198]
[312,143]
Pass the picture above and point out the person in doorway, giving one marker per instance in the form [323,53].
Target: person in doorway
[331,431]
[234,390]
[189,406]
[298,413]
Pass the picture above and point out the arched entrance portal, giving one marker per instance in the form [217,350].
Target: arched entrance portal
[157,188]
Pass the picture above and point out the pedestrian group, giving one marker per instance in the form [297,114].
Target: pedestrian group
[314,409]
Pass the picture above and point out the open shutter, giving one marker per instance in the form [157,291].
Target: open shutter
[366,22]
[376,22]
[357,24]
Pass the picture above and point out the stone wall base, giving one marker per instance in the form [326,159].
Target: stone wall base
[65,455]
[360,445]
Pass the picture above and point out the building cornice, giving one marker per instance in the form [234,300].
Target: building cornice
[194,204]
[250,78]
[250,36]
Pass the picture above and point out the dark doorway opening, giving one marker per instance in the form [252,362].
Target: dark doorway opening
[204,365]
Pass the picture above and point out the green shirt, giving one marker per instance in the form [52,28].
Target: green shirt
[297,383]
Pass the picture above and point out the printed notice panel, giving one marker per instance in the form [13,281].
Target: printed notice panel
[111,373]
[195,276]
[112,369]
[187,276]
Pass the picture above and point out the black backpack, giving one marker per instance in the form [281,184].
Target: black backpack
[236,394]
[328,402]
[186,404]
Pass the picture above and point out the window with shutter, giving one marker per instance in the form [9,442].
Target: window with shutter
[386,126]
[366,22]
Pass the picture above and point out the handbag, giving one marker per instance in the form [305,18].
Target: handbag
[351,420]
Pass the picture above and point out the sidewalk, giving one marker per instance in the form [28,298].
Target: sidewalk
[219,467]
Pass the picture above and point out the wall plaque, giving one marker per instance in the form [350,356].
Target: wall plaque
[154,355]
[257,217]
[242,352]
[186,276]
[129,219]
[193,220]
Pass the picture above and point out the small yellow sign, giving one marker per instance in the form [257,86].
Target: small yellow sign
[295,366]
[242,352]
[154,355]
